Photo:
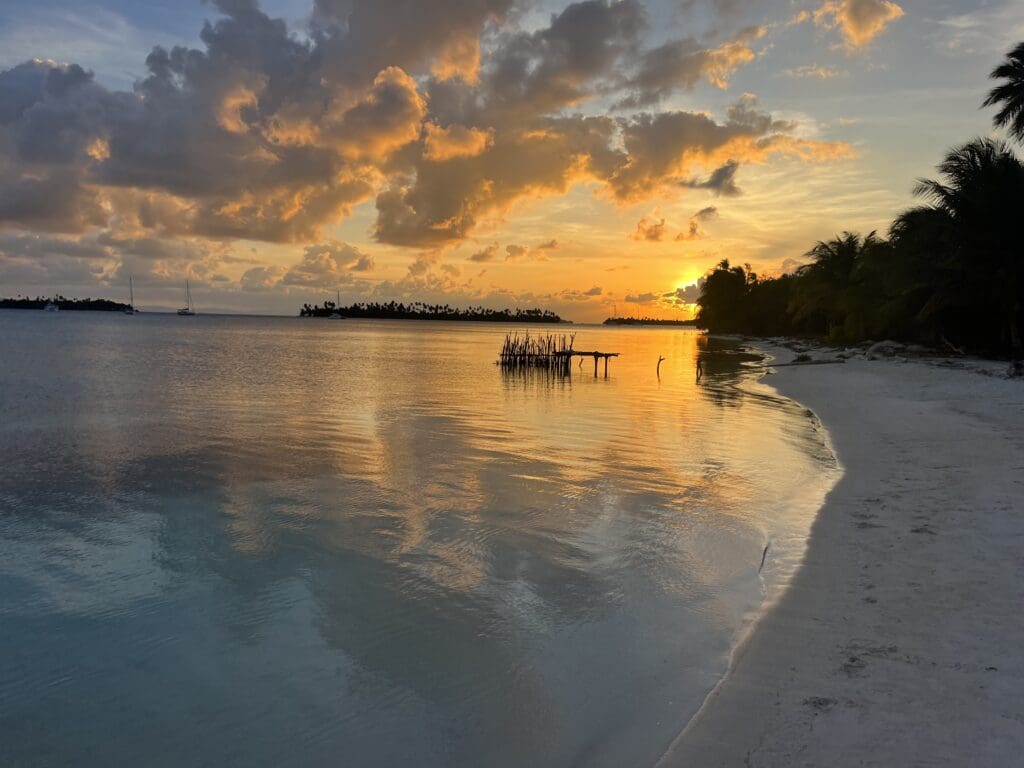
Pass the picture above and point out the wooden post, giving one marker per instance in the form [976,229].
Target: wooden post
[595,365]
[606,366]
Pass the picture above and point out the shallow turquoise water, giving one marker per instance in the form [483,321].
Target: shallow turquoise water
[273,541]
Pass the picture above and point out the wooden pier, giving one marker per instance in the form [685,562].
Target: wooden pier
[550,352]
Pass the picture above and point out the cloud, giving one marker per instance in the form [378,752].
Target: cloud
[642,298]
[790,266]
[490,253]
[444,116]
[815,71]
[694,230]
[327,264]
[664,147]
[262,279]
[681,64]
[324,265]
[687,294]
[649,229]
[722,181]
[516,252]
[859,21]
[578,295]
[454,141]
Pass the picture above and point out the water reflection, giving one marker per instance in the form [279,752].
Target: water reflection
[295,540]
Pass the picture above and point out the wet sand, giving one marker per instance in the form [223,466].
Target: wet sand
[899,641]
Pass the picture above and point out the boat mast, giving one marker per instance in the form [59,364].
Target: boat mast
[131,294]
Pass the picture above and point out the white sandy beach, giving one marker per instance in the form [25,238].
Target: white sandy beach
[899,642]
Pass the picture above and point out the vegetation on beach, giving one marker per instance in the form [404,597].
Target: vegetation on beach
[39,302]
[418,310]
[950,273]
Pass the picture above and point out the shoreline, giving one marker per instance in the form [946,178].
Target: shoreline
[895,643]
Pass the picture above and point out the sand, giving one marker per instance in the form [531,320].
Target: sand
[900,641]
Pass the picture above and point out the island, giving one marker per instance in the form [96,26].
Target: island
[649,321]
[419,310]
[64,303]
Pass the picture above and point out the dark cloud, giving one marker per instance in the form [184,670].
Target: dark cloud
[649,229]
[490,253]
[722,181]
[694,229]
[642,298]
[688,294]
[681,64]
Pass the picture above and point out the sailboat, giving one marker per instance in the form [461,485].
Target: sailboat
[130,309]
[187,309]
[335,315]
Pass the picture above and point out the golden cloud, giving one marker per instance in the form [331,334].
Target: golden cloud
[859,21]
[446,143]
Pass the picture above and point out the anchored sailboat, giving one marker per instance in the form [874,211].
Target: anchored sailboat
[130,309]
[335,315]
[188,308]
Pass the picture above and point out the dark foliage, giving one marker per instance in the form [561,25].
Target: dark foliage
[99,305]
[647,321]
[419,311]
[950,273]
[1009,94]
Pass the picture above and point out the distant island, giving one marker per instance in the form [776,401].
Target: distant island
[418,310]
[64,303]
[648,321]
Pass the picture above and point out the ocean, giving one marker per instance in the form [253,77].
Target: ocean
[291,542]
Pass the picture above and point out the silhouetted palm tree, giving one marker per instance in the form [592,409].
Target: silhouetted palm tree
[829,296]
[980,195]
[1009,95]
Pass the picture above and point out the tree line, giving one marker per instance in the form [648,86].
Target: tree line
[419,310]
[39,302]
[950,271]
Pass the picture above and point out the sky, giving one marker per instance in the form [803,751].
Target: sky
[591,158]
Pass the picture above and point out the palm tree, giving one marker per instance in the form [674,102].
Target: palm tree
[980,197]
[722,305]
[1009,95]
[829,297]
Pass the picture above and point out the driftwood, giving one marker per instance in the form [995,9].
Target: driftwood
[549,352]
